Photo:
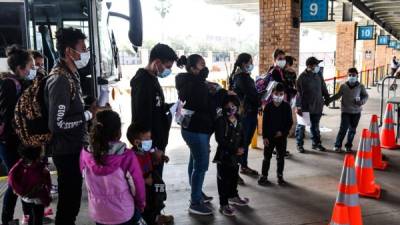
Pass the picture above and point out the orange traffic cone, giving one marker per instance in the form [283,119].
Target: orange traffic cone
[377,161]
[388,137]
[347,210]
[364,171]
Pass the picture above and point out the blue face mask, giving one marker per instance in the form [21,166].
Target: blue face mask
[352,79]
[249,68]
[317,69]
[165,73]
[146,145]
[32,74]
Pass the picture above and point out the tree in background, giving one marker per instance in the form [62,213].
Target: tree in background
[163,8]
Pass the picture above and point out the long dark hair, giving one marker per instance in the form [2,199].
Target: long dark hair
[242,58]
[107,128]
[189,62]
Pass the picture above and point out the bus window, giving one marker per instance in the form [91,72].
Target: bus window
[12,25]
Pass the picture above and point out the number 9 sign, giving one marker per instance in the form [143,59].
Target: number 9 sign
[314,10]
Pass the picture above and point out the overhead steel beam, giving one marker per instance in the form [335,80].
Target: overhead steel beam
[367,11]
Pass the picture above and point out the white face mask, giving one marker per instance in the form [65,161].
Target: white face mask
[281,63]
[278,99]
[317,69]
[81,63]
[32,74]
[146,145]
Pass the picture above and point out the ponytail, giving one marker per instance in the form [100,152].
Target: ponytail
[107,128]
[189,62]
[242,58]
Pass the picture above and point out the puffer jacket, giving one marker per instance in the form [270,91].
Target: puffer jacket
[11,89]
[116,188]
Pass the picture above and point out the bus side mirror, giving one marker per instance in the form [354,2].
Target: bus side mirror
[135,23]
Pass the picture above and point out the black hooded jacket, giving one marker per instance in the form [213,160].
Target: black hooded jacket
[245,88]
[194,91]
[149,108]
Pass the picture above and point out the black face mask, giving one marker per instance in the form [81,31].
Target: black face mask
[204,73]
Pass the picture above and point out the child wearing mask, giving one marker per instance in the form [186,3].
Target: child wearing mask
[149,158]
[353,96]
[229,135]
[30,179]
[112,174]
[277,120]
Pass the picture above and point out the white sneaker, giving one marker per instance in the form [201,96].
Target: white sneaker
[337,149]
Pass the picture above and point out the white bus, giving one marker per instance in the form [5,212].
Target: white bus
[32,25]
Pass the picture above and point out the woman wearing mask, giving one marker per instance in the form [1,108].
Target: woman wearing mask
[12,84]
[197,125]
[244,86]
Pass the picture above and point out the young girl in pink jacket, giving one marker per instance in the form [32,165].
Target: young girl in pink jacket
[112,174]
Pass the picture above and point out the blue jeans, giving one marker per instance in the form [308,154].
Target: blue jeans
[315,133]
[348,124]
[249,126]
[198,163]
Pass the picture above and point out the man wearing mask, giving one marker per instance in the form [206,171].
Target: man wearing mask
[311,92]
[67,119]
[148,103]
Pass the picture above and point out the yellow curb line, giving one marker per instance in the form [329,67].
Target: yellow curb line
[5,177]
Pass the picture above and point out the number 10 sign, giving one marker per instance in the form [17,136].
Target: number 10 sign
[314,10]
[366,33]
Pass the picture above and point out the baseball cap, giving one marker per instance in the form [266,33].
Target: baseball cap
[313,61]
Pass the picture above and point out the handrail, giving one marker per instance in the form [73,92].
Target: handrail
[382,95]
[367,72]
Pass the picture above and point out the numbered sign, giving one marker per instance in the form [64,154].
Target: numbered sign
[392,44]
[314,10]
[365,33]
[383,39]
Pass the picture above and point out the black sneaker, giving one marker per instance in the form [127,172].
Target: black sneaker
[287,154]
[206,199]
[319,147]
[348,150]
[301,149]
[240,181]
[248,171]
[200,209]
[281,181]
[263,181]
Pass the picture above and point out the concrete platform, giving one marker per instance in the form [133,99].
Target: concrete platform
[309,197]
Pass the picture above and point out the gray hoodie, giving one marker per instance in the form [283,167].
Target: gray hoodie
[349,94]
